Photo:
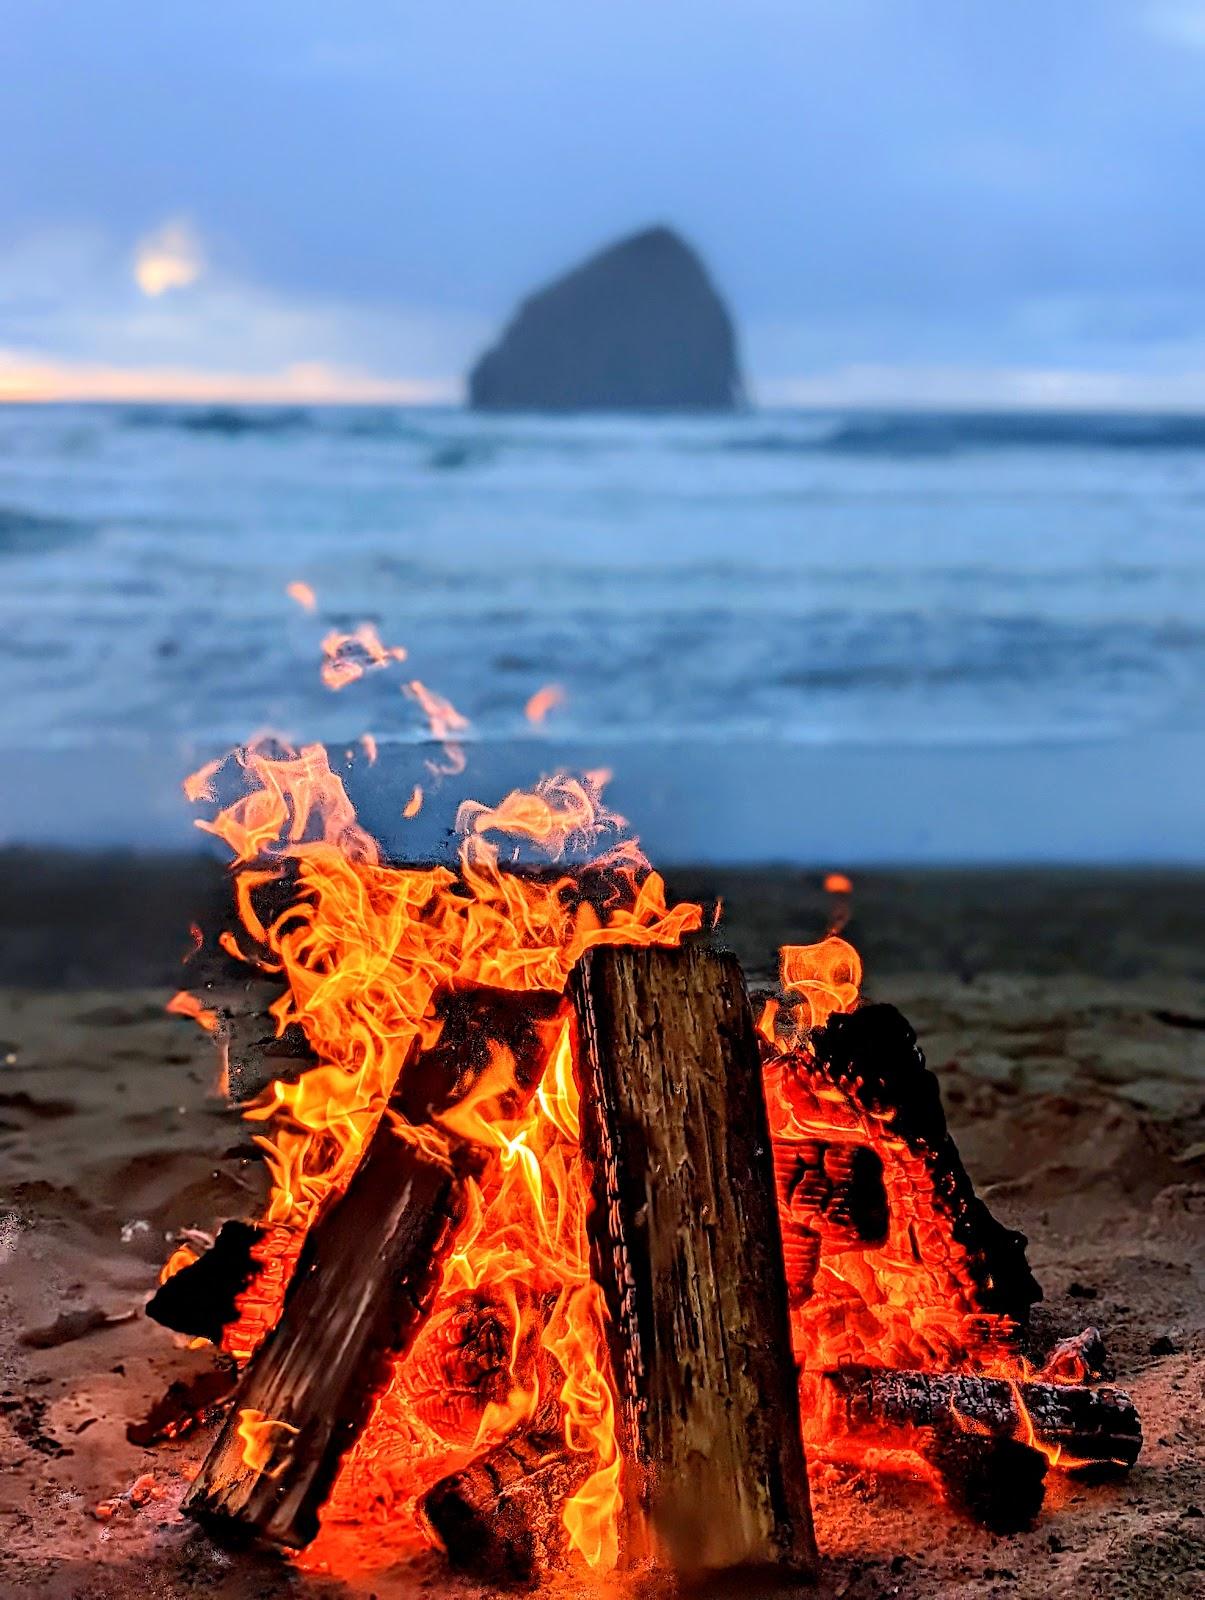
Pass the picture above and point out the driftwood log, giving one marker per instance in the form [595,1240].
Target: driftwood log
[686,1248]
[363,1284]
[1089,1428]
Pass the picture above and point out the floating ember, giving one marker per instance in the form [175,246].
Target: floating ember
[565,1259]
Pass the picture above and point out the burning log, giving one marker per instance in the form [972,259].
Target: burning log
[1077,1427]
[201,1299]
[365,1279]
[999,1483]
[687,1251]
[500,1517]
[872,1056]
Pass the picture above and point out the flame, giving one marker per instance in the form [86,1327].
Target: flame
[184,1004]
[348,656]
[365,950]
[261,1439]
[182,1256]
[820,978]
[444,721]
[543,701]
[369,746]
[368,955]
[302,594]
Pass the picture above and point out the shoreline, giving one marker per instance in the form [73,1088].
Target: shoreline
[739,802]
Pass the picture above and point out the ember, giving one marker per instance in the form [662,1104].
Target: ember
[461,1319]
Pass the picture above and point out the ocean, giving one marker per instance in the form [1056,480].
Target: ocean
[791,634]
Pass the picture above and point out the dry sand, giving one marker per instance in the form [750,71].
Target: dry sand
[1064,1012]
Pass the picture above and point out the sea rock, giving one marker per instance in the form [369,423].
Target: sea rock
[637,327]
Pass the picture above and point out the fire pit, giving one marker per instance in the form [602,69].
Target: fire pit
[572,1252]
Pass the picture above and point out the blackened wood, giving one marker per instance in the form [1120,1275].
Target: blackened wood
[1090,1427]
[363,1284]
[686,1247]
[500,1518]
[200,1299]
[999,1483]
[872,1055]
[475,1021]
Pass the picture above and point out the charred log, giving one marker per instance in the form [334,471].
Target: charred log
[476,1022]
[1083,1429]
[364,1282]
[200,1299]
[999,1483]
[500,1517]
[872,1055]
[687,1251]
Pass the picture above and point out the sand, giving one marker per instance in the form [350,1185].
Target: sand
[1064,1013]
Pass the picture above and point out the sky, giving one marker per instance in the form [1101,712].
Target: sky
[904,201]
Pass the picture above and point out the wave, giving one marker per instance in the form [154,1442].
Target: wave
[226,421]
[28,532]
[925,433]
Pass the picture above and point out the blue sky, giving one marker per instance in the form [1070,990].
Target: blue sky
[957,201]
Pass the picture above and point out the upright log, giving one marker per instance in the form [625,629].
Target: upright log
[686,1247]
[364,1281]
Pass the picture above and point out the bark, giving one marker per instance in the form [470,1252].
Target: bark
[1089,1427]
[364,1282]
[500,1517]
[184,1405]
[872,1055]
[686,1247]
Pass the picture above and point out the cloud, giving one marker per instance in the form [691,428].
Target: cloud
[77,326]
[169,258]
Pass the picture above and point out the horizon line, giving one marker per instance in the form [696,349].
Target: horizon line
[31,380]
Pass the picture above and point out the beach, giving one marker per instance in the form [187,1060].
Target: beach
[1062,1010]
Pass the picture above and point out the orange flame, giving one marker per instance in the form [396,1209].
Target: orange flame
[302,594]
[825,977]
[182,1256]
[444,721]
[261,1440]
[365,949]
[183,1004]
[349,656]
[543,701]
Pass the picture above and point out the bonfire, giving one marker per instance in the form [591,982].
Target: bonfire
[574,1253]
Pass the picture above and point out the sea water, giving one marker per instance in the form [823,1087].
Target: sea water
[745,603]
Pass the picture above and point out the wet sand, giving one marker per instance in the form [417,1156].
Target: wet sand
[1065,1015]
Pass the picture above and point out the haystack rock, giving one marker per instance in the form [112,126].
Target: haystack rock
[637,327]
